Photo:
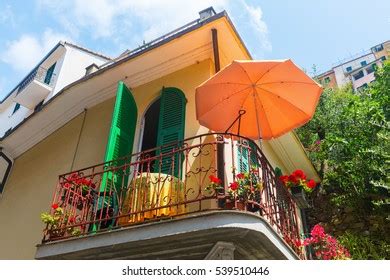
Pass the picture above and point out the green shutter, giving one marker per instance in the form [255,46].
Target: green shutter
[49,74]
[120,144]
[171,129]
[121,136]
[246,157]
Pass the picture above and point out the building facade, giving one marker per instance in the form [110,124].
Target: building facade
[358,71]
[64,64]
[136,164]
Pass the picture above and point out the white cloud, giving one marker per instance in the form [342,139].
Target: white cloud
[256,19]
[105,18]
[25,52]
[127,23]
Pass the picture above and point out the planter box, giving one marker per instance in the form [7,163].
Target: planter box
[299,196]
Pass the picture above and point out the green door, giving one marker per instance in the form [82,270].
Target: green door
[120,144]
[170,130]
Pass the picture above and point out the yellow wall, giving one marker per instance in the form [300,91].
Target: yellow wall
[30,187]
[34,175]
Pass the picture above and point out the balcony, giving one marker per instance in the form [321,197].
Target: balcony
[157,204]
[35,87]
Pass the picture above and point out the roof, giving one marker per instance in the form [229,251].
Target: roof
[135,53]
[87,50]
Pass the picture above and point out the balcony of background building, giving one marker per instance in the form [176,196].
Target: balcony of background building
[157,204]
[35,87]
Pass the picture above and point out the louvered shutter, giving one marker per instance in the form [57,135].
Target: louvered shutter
[246,156]
[171,130]
[120,144]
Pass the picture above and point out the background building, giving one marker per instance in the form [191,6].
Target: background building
[359,71]
[64,64]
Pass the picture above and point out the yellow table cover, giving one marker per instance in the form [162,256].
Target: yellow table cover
[155,192]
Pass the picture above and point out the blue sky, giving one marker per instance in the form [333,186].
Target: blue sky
[309,32]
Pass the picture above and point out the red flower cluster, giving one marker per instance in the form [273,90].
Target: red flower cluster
[215,180]
[76,179]
[233,186]
[240,176]
[325,246]
[54,206]
[298,178]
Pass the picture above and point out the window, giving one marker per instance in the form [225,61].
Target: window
[327,80]
[17,107]
[371,68]
[349,69]
[363,63]
[364,86]
[49,74]
[383,58]
[358,75]
[378,48]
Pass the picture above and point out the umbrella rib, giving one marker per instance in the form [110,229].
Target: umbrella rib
[237,92]
[225,83]
[285,100]
[269,70]
[249,78]
[285,82]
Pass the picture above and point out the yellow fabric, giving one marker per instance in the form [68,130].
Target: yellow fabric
[151,191]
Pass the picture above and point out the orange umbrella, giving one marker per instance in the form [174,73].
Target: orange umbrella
[269,97]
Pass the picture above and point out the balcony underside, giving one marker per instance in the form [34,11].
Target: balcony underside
[190,237]
[32,94]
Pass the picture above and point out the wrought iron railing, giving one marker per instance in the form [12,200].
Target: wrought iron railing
[167,182]
[39,74]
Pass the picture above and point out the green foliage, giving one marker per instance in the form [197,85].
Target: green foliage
[364,247]
[348,142]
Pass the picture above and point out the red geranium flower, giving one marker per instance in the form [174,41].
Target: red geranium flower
[293,179]
[311,184]
[299,174]
[240,176]
[284,179]
[72,219]
[54,206]
[215,180]
[233,186]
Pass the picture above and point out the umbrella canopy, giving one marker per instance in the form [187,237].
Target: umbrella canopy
[276,97]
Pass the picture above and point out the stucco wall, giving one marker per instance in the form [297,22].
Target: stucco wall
[29,189]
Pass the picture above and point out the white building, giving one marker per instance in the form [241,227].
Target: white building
[64,64]
[359,70]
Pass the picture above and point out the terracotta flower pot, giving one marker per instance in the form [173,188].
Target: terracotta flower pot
[240,205]
[229,204]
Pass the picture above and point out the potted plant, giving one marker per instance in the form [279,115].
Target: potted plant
[216,187]
[57,223]
[246,190]
[298,185]
[79,188]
